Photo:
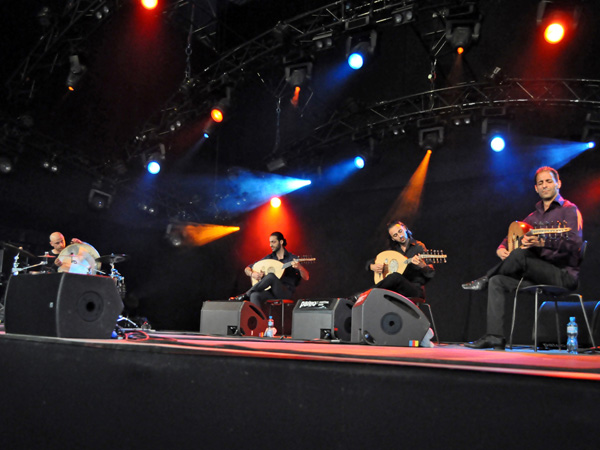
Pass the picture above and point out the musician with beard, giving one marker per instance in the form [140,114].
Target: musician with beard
[280,288]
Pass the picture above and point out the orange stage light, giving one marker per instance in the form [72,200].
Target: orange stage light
[149,4]
[202,234]
[554,33]
[216,115]
[275,202]
[407,205]
[296,96]
[460,50]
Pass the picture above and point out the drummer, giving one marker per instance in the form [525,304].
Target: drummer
[58,243]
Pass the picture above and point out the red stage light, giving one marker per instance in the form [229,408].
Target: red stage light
[275,202]
[554,33]
[460,50]
[149,4]
[216,115]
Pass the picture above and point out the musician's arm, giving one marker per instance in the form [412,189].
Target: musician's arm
[303,272]
[252,273]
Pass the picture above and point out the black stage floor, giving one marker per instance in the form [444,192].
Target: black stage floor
[186,390]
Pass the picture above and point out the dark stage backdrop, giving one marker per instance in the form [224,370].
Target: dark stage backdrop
[469,199]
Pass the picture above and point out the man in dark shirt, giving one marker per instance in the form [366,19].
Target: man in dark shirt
[410,283]
[280,288]
[539,259]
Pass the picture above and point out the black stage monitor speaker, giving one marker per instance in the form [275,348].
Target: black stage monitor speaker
[225,318]
[64,305]
[383,317]
[322,319]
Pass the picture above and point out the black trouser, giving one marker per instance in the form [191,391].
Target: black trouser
[520,263]
[258,295]
[398,283]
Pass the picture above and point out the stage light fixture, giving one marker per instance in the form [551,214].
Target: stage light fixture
[154,158]
[149,4]
[218,111]
[497,143]
[557,18]
[99,200]
[76,72]
[102,12]
[323,41]
[298,74]
[275,202]
[359,162]
[360,48]
[45,16]
[6,165]
[495,130]
[431,138]
[50,165]
[276,164]
[463,26]
[402,16]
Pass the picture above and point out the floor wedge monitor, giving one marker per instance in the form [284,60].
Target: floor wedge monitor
[322,319]
[225,318]
[62,305]
[382,317]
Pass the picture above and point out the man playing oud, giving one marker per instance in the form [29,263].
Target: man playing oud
[280,288]
[551,258]
[410,283]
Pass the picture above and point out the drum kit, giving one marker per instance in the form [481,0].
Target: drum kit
[80,258]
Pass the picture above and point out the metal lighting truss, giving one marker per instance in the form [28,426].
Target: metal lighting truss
[381,117]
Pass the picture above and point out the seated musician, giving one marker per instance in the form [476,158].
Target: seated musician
[280,288]
[412,282]
[537,260]
[58,243]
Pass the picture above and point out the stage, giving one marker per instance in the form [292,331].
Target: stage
[187,390]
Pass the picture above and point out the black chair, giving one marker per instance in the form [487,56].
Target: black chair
[553,293]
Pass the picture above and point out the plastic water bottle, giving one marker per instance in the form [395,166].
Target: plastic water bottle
[271,331]
[572,336]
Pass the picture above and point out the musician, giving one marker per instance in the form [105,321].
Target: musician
[58,243]
[412,282]
[280,288]
[538,260]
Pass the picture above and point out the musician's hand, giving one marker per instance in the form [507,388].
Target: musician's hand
[502,253]
[76,241]
[377,268]
[58,262]
[295,264]
[531,241]
[258,275]
[418,261]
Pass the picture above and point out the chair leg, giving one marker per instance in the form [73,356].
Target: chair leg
[512,324]
[282,317]
[437,336]
[558,340]
[587,322]
[535,323]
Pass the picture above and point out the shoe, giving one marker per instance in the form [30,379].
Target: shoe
[354,297]
[476,285]
[239,298]
[488,341]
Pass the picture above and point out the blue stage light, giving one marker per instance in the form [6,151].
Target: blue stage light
[359,162]
[356,61]
[497,143]
[591,144]
[153,167]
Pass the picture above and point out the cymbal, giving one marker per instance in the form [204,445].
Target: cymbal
[112,258]
[46,256]
[18,249]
